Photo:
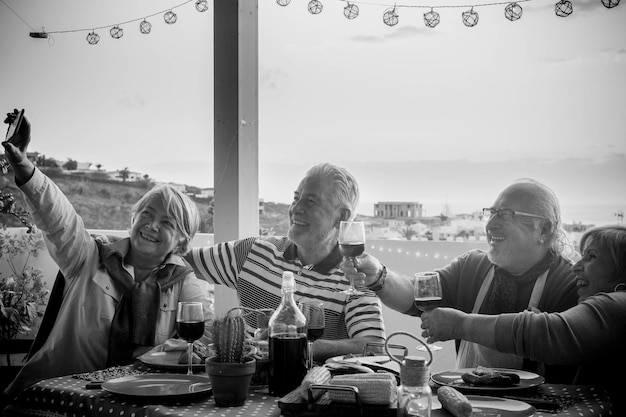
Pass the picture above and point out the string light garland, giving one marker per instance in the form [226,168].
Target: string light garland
[391,17]
[117,31]
[512,11]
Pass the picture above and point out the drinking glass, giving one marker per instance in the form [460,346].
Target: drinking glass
[351,244]
[190,326]
[427,295]
[315,322]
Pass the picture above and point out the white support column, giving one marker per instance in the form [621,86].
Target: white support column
[236,138]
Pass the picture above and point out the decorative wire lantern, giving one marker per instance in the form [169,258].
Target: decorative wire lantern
[351,11]
[609,4]
[170,17]
[283,2]
[470,18]
[202,6]
[116,32]
[315,7]
[563,8]
[431,19]
[513,11]
[390,17]
[93,38]
[145,27]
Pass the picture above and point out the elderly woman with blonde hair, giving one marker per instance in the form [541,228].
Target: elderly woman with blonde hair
[120,298]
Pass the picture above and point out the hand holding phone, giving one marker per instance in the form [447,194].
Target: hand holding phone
[15,134]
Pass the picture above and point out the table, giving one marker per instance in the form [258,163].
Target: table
[69,396]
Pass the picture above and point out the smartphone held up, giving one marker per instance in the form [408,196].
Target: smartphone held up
[15,121]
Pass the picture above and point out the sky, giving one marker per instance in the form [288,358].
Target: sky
[447,116]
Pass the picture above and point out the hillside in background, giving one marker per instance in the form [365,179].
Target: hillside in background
[106,204]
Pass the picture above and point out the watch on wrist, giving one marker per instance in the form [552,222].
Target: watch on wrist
[380,281]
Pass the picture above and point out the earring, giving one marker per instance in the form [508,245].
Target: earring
[620,287]
[541,241]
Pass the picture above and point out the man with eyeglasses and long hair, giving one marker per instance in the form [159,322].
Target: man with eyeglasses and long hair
[526,267]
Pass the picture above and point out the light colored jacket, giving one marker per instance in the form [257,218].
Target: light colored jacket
[79,339]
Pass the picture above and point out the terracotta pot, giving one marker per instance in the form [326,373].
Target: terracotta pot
[230,381]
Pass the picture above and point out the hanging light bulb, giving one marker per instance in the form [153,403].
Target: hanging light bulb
[470,18]
[431,19]
[351,11]
[563,8]
[170,17]
[283,2]
[202,6]
[390,17]
[116,32]
[513,11]
[93,38]
[315,7]
[145,27]
[609,4]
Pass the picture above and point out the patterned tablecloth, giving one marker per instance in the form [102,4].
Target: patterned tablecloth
[70,396]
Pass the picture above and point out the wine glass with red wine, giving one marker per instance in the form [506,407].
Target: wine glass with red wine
[427,295]
[315,322]
[351,244]
[190,327]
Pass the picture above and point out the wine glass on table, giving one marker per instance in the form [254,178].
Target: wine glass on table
[351,244]
[190,327]
[315,322]
[427,295]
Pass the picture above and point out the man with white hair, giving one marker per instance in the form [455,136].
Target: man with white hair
[253,266]
[525,267]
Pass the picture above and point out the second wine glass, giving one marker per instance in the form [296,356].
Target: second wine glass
[351,244]
[427,295]
[190,327]
[315,323]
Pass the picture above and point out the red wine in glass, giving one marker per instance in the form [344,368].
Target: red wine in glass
[314,333]
[351,242]
[190,326]
[190,331]
[315,322]
[351,250]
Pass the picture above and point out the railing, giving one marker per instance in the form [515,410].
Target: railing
[403,256]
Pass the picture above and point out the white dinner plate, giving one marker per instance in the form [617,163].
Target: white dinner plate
[453,379]
[494,406]
[165,386]
[167,360]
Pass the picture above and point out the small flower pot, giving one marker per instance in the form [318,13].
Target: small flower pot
[230,381]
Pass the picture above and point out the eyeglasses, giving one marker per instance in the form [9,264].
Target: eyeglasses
[507,214]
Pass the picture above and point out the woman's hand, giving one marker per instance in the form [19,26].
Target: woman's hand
[17,155]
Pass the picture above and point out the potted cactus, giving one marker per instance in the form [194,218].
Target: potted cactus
[230,369]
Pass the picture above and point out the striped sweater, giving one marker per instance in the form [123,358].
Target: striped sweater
[254,267]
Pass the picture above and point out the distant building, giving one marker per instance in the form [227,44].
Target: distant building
[206,193]
[117,175]
[401,210]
